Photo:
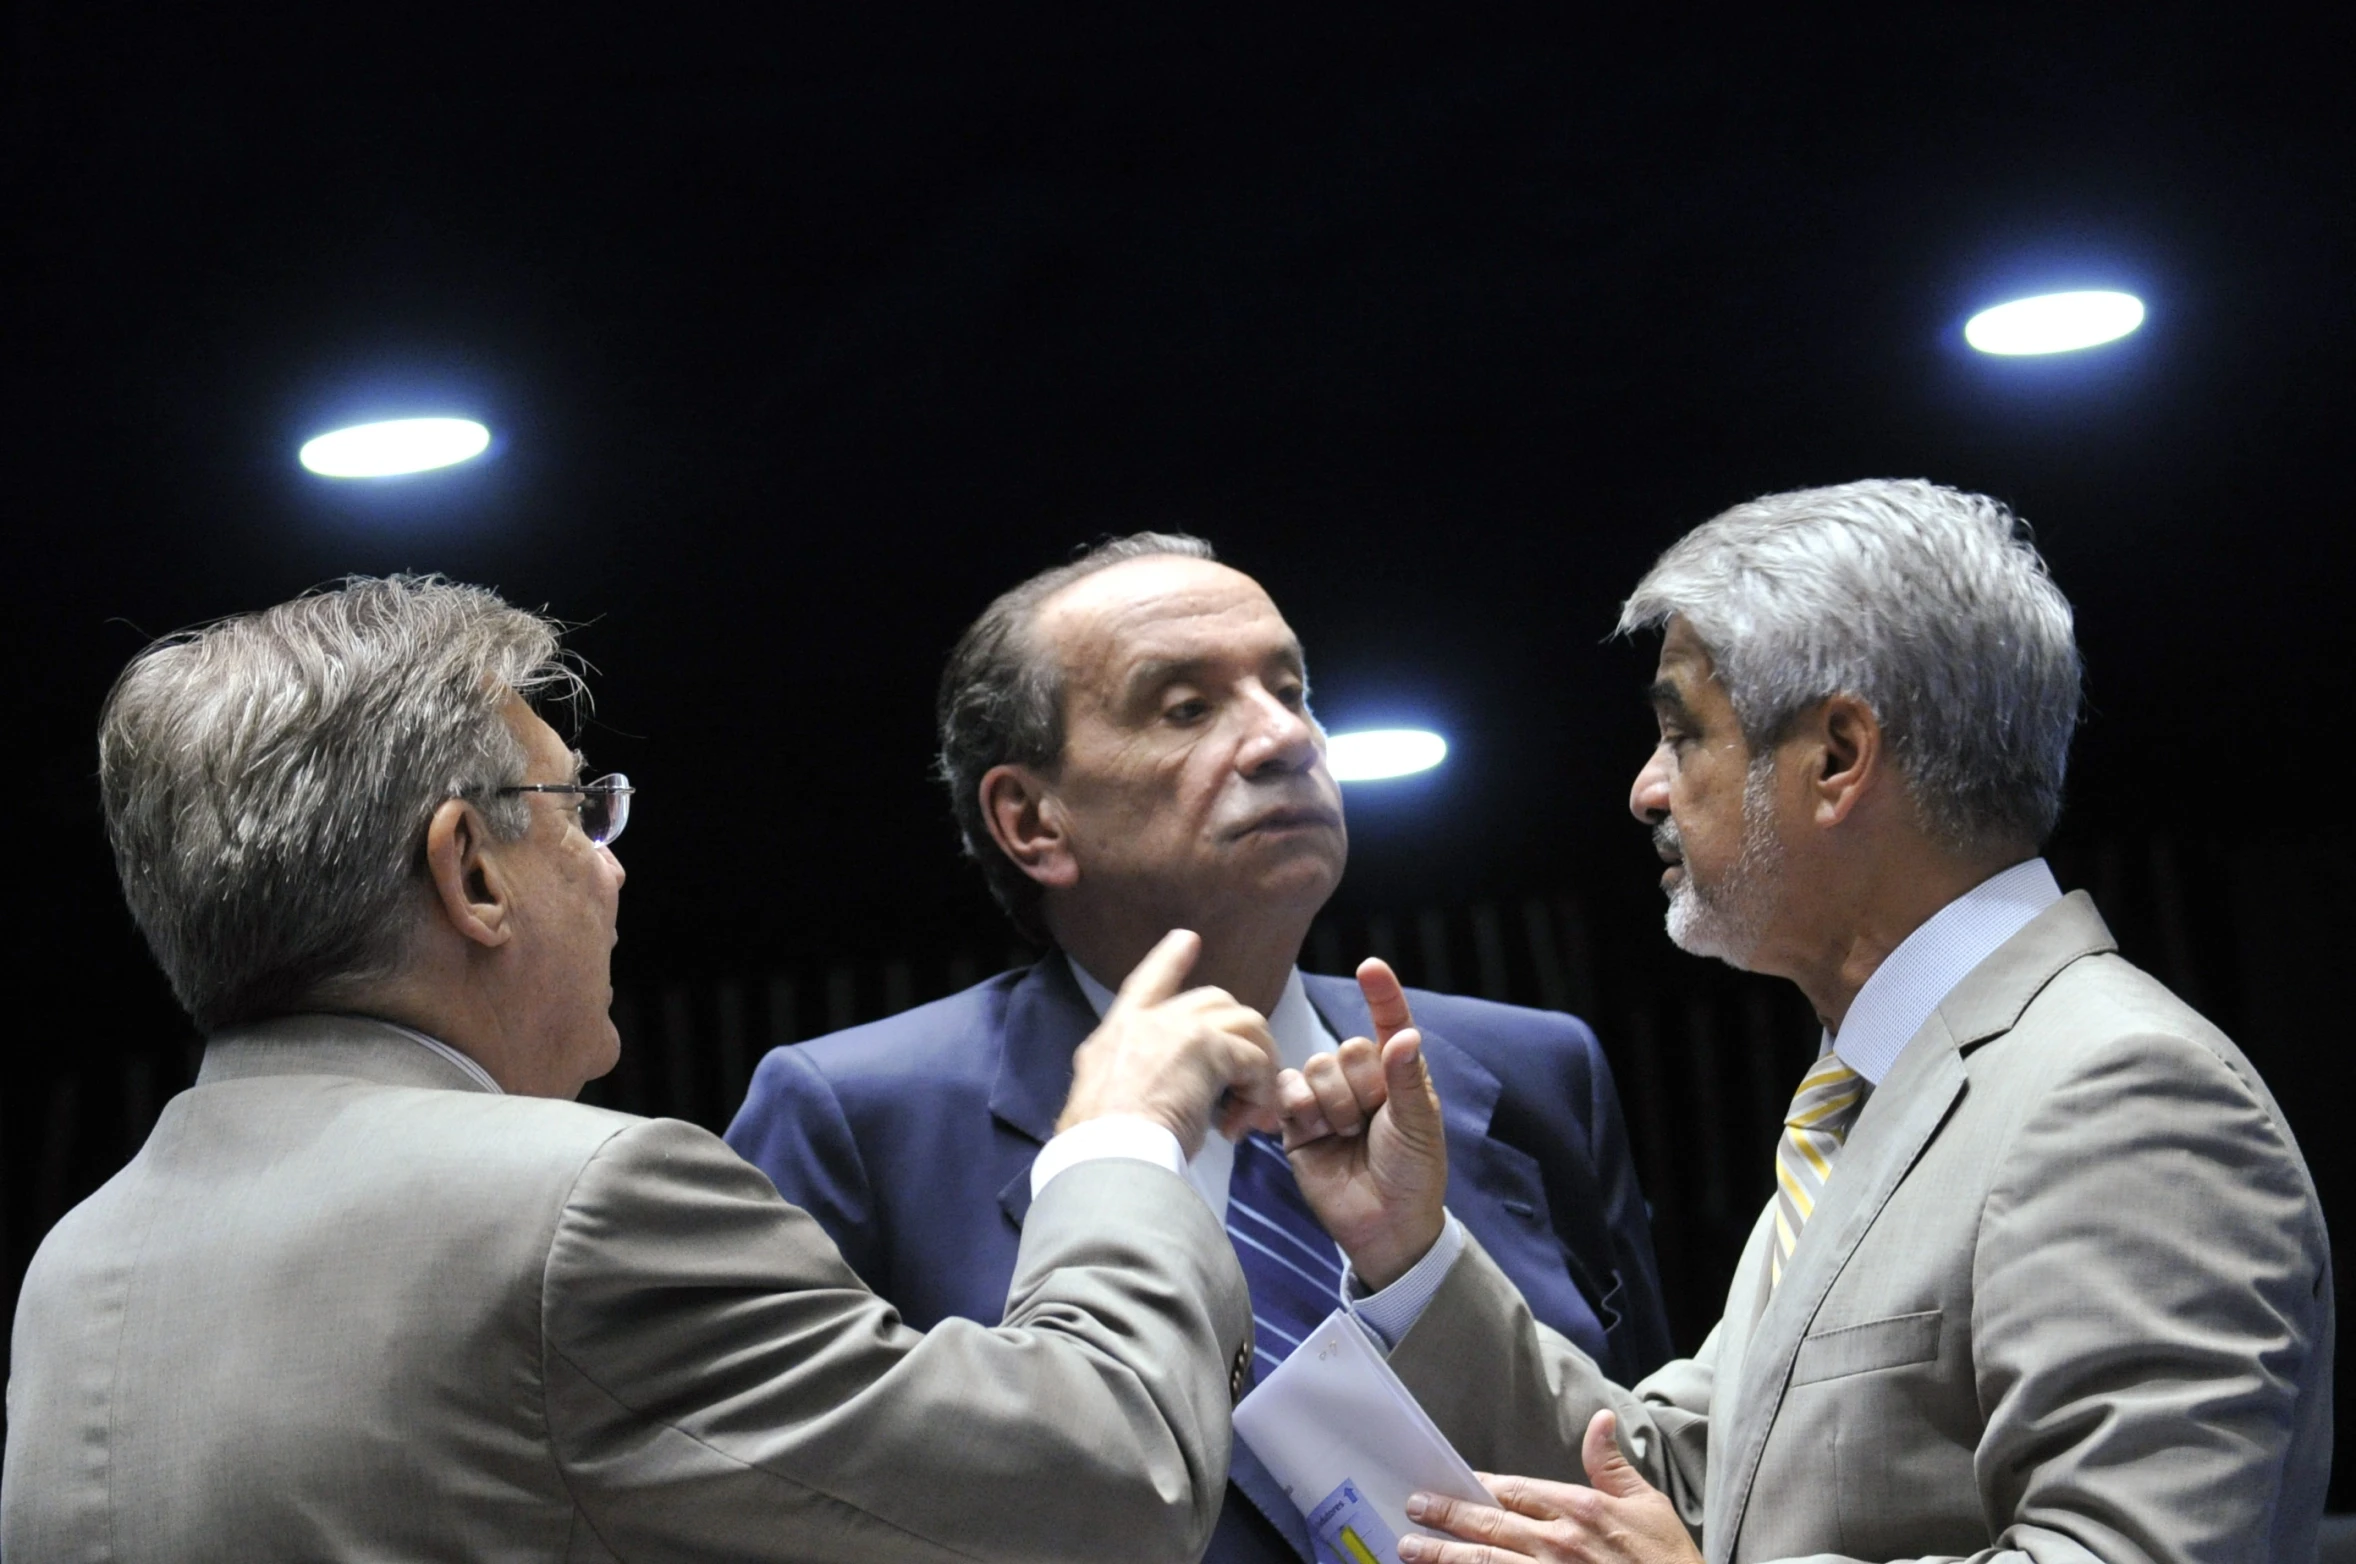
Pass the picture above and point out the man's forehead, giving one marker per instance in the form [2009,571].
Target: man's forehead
[542,744]
[1161,608]
[1685,658]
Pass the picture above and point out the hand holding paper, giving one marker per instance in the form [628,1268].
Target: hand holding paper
[1362,1125]
[1619,1518]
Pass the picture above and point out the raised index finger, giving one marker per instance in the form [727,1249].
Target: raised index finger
[1163,970]
[1386,1000]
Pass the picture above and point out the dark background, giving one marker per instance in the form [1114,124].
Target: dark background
[802,336]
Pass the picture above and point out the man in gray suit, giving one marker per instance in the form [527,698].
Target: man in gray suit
[377,1288]
[2045,1277]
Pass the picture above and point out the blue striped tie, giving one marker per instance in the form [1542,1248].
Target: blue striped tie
[1293,1269]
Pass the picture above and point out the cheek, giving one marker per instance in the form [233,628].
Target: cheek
[1694,807]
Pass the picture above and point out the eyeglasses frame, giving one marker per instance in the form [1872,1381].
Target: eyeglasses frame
[613,785]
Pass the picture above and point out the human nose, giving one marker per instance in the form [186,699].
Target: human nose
[614,862]
[1284,737]
[1648,800]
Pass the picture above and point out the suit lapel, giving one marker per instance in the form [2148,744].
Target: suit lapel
[1047,1017]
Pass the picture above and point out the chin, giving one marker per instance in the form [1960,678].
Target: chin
[602,1055]
[1308,877]
[1701,930]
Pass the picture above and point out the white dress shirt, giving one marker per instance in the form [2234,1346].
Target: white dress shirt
[1903,991]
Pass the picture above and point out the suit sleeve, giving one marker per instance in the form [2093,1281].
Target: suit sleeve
[792,1128]
[2152,1315]
[1514,1396]
[718,1383]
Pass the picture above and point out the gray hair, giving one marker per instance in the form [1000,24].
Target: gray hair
[268,780]
[1929,604]
[1001,704]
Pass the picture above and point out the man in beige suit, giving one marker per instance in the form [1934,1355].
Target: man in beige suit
[2044,1276]
[377,1288]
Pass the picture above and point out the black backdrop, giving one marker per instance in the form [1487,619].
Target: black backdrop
[801,337]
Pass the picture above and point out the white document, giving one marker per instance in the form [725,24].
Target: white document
[1349,1443]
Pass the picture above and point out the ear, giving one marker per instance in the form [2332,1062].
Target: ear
[1026,820]
[1847,757]
[470,884]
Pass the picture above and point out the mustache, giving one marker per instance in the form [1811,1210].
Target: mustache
[1668,842]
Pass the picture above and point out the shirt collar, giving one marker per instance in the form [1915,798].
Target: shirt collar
[482,1077]
[1294,1023]
[1903,991]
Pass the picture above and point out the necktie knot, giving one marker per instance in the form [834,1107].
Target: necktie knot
[1828,1099]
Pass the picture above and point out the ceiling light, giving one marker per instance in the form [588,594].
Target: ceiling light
[397,446]
[2054,323]
[1383,752]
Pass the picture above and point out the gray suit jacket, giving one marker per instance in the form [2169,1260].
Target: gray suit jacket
[2067,1296]
[345,1305]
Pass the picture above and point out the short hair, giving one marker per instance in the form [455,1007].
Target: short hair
[1929,604]
[1002,703]
[268,780]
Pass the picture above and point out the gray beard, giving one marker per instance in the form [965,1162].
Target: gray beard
[1727,919]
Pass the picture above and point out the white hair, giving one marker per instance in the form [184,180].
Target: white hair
[268,780]
[1927,603]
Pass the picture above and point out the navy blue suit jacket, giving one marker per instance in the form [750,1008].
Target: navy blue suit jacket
[911,1141]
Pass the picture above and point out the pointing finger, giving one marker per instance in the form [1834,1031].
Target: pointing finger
[1386,1000]
[1163,970]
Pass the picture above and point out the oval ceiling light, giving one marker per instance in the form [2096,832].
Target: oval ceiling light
[400,445]
[2054,323]
[1383,752]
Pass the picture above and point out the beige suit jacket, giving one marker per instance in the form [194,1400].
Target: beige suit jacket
[2067,1296]
[345,1305]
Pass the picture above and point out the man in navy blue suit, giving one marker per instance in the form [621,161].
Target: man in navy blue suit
[1128,747]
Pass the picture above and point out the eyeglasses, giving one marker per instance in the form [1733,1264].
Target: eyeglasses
[605,803]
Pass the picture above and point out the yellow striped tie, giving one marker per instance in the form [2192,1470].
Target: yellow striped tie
[1821,1112]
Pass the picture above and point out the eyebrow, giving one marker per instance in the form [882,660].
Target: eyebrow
[1152,674]
[580,765]
[1668,700]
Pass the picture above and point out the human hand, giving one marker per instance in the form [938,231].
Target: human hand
[1363,1127]
[1169,1055]
[1621,1519]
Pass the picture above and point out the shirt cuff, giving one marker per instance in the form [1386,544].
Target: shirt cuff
[1389,1315]
[1130,1135]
